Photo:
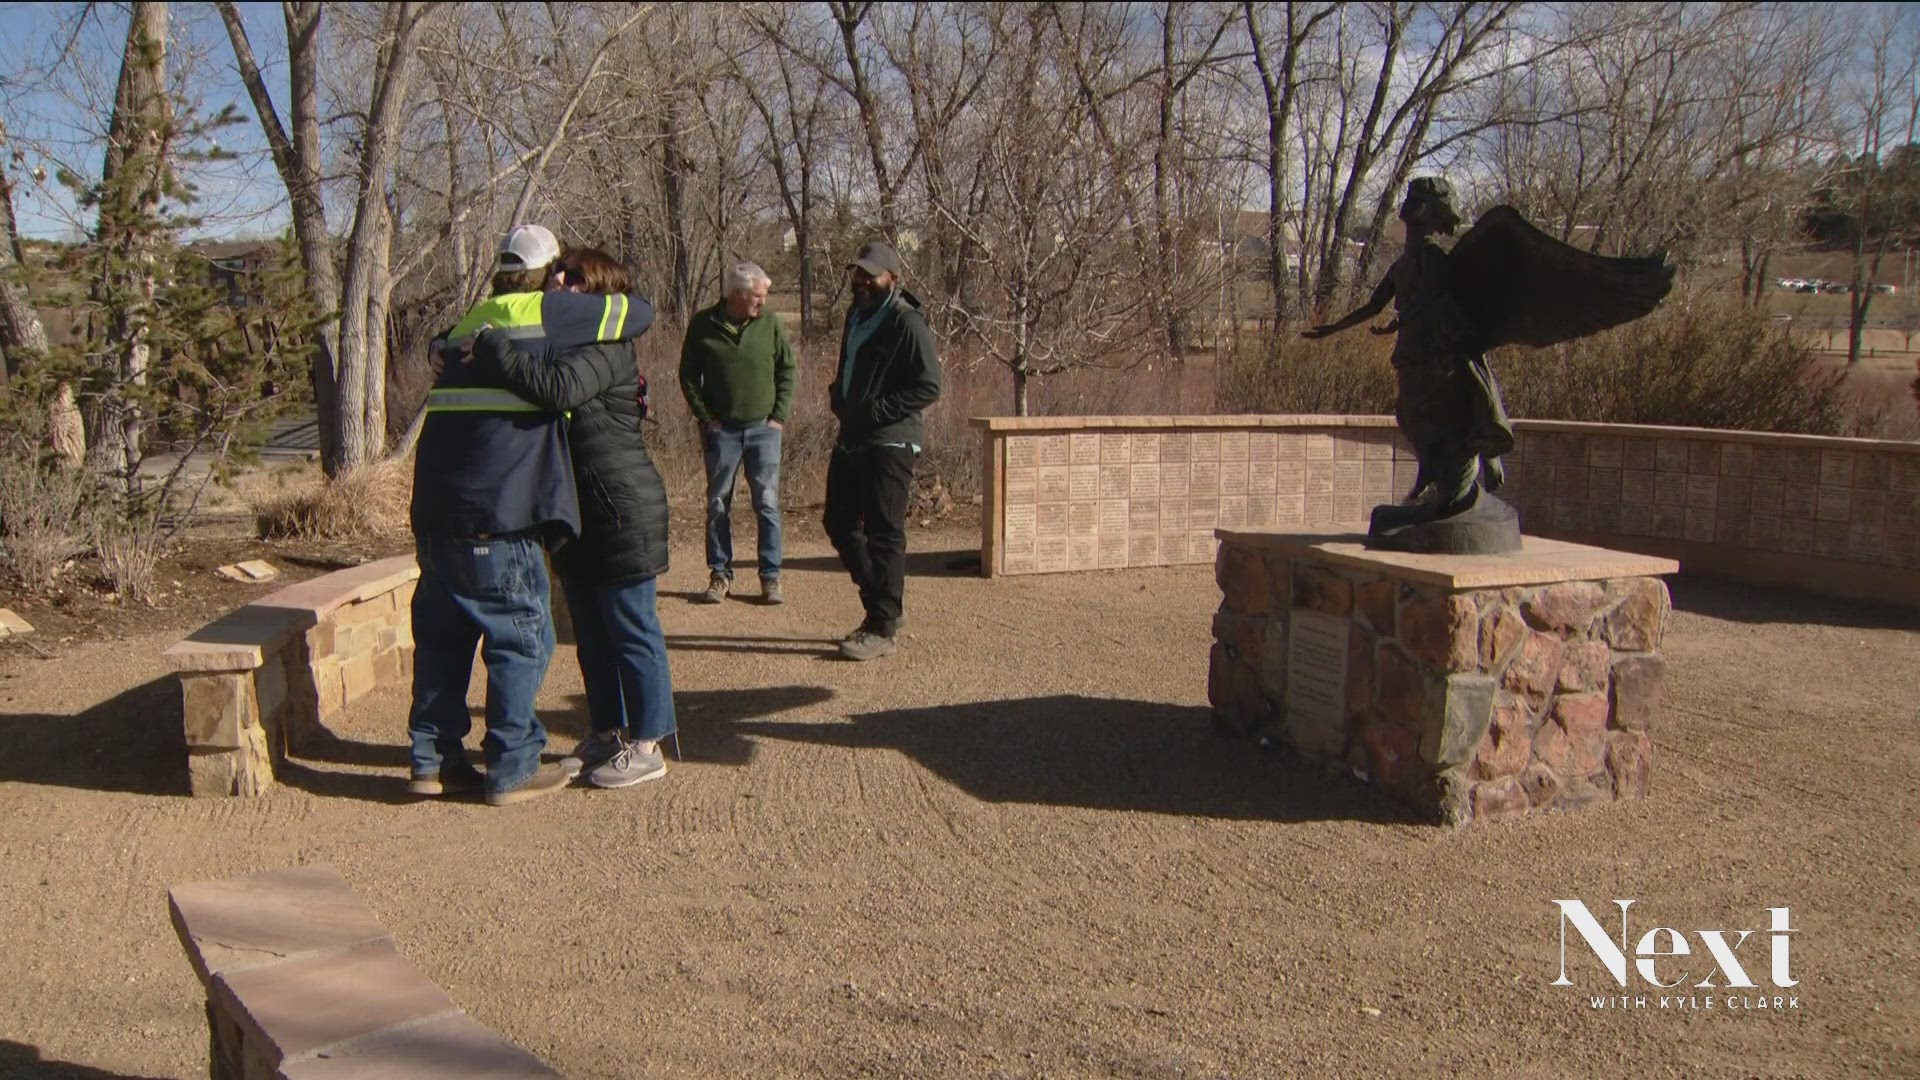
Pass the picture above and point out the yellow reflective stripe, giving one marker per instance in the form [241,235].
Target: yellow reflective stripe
[612,318]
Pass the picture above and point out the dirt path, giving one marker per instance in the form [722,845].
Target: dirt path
[1012,850]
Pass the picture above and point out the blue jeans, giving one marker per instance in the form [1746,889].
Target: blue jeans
[623,658]
[472,592]
[758,445]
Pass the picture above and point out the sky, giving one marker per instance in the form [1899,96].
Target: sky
[55,112]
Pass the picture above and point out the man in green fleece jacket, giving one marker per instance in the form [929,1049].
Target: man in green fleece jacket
[737,372]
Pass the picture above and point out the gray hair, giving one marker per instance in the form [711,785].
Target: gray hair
[743,276]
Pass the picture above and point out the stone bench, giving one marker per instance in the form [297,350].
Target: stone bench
[258,681]
[303,983]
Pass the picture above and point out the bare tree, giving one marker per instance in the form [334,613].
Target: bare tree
[1887,166]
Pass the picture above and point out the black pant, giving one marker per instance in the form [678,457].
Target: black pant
[866,519]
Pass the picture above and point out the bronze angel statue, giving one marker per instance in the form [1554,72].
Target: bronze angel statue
[1503,282]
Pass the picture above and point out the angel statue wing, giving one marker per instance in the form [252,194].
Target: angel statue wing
[1521,286]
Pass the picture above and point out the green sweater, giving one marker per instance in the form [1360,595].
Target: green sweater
[737,374]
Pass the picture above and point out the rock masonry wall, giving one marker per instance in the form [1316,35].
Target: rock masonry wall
[1470,705]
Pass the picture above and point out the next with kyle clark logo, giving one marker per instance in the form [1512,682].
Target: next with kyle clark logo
[1666,959]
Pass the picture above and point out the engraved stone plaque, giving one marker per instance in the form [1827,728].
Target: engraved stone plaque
[1020,522]
[1291,447]
[1233,477]
[1051,554]
[1146,446]
[1023,450]
[1146,481]
[1203,478]
[1112,550]
[1083,553]
[1173,515]
[1233,446]
[1053,450]
[1051,522]
[1262,446]
[1083,447]
[1206,446]
[1022,484]
[1203,514]
[1260,511]
[1174,478]
[1113,517]
[1316,693]
[1176,447]
[1083,483]
[1115,481]
[1260,476]
[1144,550]
[1319,447]
[1115,448]
[1083,519]
[1143,515]
[1233,511]
[1053,483]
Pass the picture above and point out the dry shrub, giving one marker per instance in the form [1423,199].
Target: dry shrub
[130,559]
[44,518]
[1703,363]
[367,502]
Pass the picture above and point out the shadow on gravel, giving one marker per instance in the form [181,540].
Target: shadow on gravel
[958,562]
[131,742]
[19,1059]
[1717,598]
[1101,753]
[709,734]
[711,721]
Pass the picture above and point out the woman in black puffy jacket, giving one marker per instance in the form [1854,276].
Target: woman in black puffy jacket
[609,574]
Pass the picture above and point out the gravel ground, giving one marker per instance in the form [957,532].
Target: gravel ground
[1014,849]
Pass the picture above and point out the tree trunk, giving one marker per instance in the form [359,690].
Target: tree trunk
[673,168]
[361,374]
[132,178]
[297,159]
[22,336]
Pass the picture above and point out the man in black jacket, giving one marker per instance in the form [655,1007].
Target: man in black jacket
[888,374]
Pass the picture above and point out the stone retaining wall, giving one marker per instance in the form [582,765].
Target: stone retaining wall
[1079,493]
[1472,688]
[264,679]
[303,983]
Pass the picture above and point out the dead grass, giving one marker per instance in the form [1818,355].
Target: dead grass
[368,502]
[45,518]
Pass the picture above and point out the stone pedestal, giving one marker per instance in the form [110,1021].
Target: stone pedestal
[1473,687]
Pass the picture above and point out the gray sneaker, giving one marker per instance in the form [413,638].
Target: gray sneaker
[592,752]
[770,591]
[546,780]
[867,645]
[717,589]
[636,763]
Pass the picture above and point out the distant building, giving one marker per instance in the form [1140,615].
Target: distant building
[237,269]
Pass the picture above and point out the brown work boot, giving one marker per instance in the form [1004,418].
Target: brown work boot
[546,780]
[717,589]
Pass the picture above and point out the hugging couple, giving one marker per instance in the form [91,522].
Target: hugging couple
[531,445]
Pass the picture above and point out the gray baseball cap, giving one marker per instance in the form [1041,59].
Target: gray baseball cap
[877,257]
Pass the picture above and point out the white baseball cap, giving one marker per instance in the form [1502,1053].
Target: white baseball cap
[527,247]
